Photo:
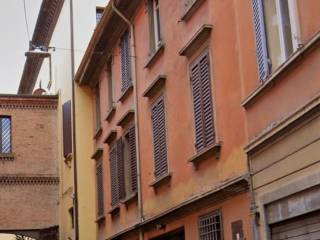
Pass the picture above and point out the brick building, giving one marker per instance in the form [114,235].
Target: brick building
[29,169]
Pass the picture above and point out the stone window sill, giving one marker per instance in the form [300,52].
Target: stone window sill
[98,133]
[110,137]
[6,157]
[128,200]
[155,55]
[205,153]
[101,219]
[155,86]
[125,94]
[110,114]
[191,10]
[161,180]
[114,210]
[126,118]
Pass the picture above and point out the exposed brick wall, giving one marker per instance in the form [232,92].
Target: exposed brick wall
[26,205]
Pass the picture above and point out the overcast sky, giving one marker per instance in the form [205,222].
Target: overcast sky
[14,40]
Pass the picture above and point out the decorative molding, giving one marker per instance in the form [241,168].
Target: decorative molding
[155,86]
[28,106]
[6,157]
[29,102]
[31,180]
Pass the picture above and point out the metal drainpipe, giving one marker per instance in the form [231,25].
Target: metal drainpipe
[74,145]
[135,93]
[255,233]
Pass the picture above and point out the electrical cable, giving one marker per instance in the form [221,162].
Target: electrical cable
[26,19]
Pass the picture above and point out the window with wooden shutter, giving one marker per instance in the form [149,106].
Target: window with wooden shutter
[114,176]
[98,111]
[210,226]
[121,169]
[100,199]
[202,102]
[5,134]
[67,131]
[260,36]
[110,85]
[159,138]
[154,25]
[133,158]
[125,62]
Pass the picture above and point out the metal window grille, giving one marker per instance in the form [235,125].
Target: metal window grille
[5,131]
[210,227]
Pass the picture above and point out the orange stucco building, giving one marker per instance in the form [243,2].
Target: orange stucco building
[188,98]
[167,108]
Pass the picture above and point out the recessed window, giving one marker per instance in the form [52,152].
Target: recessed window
[210,226]
[99,13]
[97,107]
[123,168]
[67,131]
[275,24]
[154,25]
[110,85]
[99,184]
[202,102]
[125,62]
[159,138]
[5,131]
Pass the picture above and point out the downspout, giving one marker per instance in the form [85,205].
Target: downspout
[74,145]
[253,207]
[136,118]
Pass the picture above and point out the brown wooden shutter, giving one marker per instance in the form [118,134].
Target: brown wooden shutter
[202,102]
[159,138]
[67,133]
[125,62]
[98,111]
[114,176]
[133,159]
[120,169]
[100,189]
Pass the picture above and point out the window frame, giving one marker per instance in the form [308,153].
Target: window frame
[160,98]
[98,121]
[194,61]
[10,134]
[111,99]
[217,212]
[155,39]
[99,195]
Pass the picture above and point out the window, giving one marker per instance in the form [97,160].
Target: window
[99,13]
[210,226]
[110,85]
[276,34]
[66,122]
[154,25]
[100,201]
[5,131]
[97,105]
[123,168]
[71,213]
[125,62]
[202,102]
[159,138]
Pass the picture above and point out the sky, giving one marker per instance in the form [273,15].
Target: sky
[14,41]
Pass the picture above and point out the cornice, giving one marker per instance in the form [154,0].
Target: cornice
[28,180]
[28,104]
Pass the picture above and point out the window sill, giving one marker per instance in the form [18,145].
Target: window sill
[6,157]
[110,114]
[130,199]
[114,210]
[155,86]
[97,133]
[154,56]
[197,40]
[100,219]
[110,137]
[191,10]
[274,77]
[126,118]
[97,154]
[205,153]
[125,94]
[161,180]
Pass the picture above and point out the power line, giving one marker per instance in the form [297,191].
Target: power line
[26,19]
